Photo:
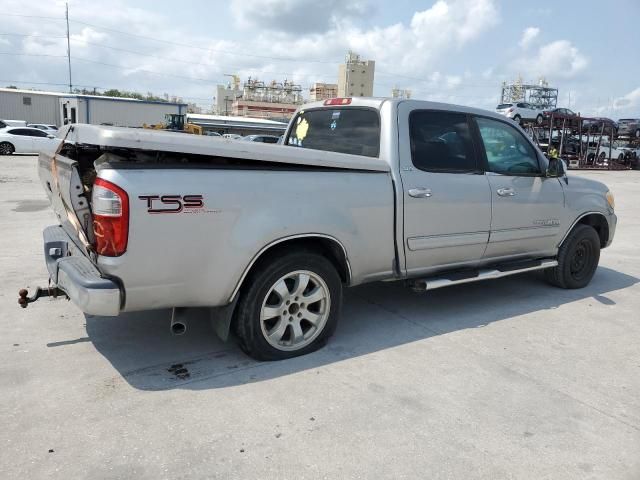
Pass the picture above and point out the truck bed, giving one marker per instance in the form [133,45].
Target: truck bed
[253,195]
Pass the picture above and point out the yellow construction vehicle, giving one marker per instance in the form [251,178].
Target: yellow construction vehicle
[174,122]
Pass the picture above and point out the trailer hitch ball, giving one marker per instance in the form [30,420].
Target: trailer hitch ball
[24,299]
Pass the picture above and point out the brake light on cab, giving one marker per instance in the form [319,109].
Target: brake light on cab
[337,101]
[110,208]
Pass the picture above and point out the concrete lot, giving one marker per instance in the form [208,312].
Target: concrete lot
[504,379]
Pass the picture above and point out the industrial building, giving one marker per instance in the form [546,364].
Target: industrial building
[355,77]
[58,108]
[539,95]
[323,91]
[226,95]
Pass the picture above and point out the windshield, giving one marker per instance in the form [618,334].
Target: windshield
[345,130]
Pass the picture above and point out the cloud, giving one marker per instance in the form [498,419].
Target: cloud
[297,16]
[628,101]
[529,35]
[558,59]
[312,43]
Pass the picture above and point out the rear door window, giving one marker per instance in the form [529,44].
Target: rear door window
[20,131]
[441,142]
[36,133]
[345,130]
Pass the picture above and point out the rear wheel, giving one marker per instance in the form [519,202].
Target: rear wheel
[578,259]
[290,307]
[517,119]
[539,120]
[6,148]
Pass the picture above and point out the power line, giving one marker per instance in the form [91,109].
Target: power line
[30,16]
[197,47]
[31,36]
[32,55]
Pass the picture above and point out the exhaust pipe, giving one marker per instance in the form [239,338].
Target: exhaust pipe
[178,321]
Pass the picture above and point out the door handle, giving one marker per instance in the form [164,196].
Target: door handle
[506,192]
[419,192]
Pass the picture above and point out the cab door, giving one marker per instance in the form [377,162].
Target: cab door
[527,206]
[446,196]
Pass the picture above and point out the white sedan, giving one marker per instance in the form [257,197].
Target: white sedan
[25,140]
[45,127]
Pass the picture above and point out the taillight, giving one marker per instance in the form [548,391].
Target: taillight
[510,110]
[338,101]
[110,207]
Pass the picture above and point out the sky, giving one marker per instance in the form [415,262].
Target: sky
[456,51]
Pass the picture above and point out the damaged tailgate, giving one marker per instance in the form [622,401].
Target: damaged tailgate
[70,201]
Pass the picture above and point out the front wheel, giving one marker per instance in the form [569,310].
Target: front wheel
[578,259]
[290,307]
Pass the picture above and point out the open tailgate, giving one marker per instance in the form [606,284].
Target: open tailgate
[62,184]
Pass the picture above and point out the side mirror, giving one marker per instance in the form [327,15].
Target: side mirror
[556,168]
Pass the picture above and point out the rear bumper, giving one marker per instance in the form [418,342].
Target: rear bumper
[71,271]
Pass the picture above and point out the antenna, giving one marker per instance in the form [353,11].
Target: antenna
[68,46]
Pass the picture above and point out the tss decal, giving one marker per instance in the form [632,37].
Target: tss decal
[172,203]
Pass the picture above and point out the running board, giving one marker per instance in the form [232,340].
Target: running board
[458,278]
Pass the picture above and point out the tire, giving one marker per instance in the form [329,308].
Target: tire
[517,119]
[602,157]
[637,133]
[539,120]
[6,148]
[271,305]
[578,259]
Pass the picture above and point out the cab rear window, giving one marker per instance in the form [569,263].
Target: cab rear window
[344,130]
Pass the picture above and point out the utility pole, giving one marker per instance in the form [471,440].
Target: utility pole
[68,47]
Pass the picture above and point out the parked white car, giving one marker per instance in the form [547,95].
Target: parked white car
[12,123]
[44,127]
[25,140]
[520,111]
[603,153]
[233,136]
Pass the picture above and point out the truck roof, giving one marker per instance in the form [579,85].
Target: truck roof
[154,140]
[377,103]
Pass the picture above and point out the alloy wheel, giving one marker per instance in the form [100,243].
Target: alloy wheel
[295,310]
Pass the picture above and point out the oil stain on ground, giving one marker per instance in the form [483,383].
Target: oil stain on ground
[30,205]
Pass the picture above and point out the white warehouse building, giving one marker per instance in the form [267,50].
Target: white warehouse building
[58,108]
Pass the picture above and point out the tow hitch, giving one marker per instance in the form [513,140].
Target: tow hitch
[24,300]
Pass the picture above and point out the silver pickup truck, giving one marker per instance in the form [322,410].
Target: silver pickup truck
[361,190]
